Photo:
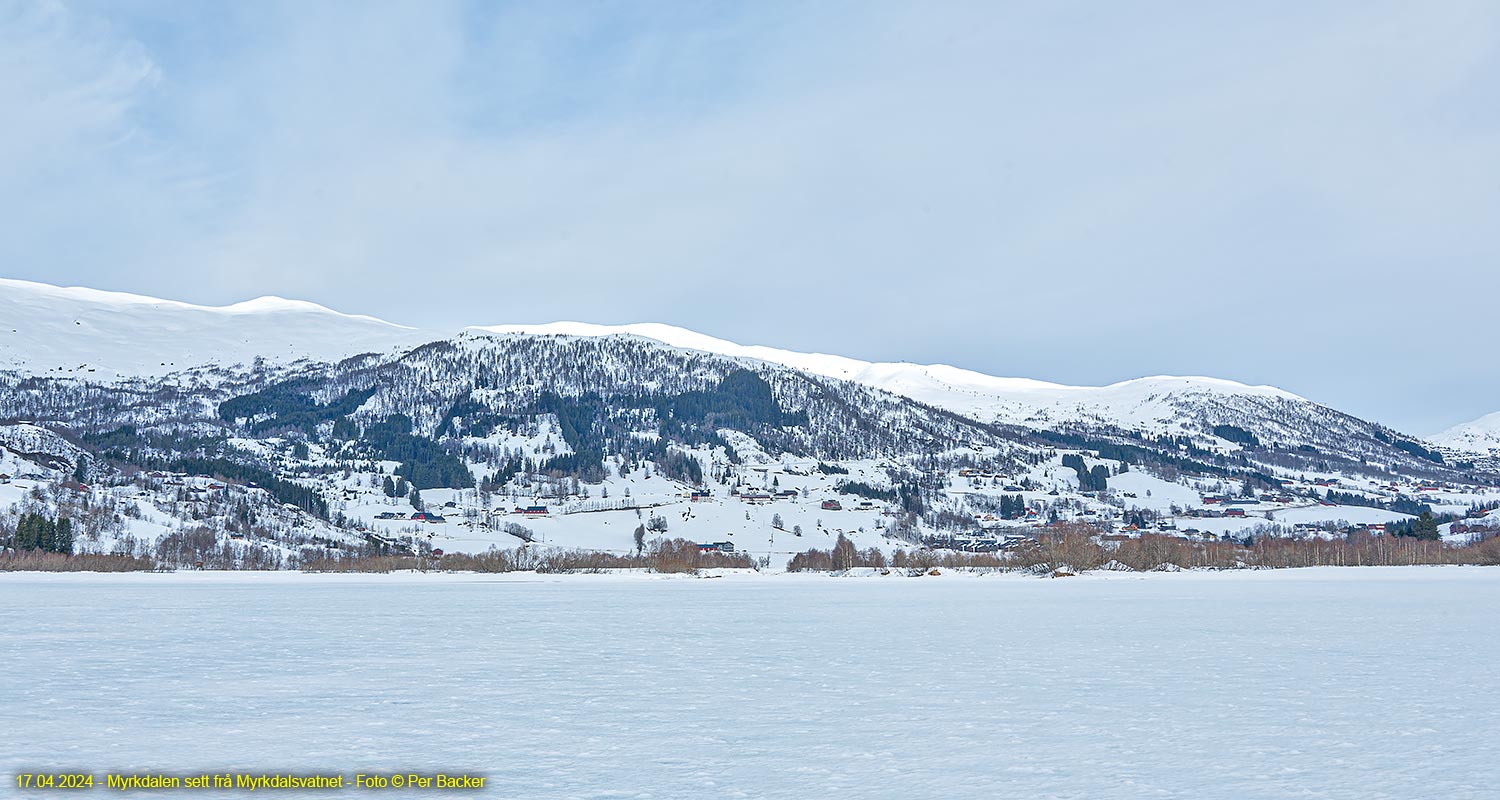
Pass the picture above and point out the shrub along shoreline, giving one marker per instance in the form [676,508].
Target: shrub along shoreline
[1080,549]
[1069,550]
[667,556]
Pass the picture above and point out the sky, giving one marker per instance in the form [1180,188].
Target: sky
[1298,194]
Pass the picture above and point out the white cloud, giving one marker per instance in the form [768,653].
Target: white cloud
[68,82]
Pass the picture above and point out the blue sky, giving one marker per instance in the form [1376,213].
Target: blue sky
[1301,194]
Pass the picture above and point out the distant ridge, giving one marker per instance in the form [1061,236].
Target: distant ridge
[54,330]
[1021,401]
[101,335]
[1480,436]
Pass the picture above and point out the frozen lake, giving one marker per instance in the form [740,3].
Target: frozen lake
[1327,683]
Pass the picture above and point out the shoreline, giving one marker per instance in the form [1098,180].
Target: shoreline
[861,575]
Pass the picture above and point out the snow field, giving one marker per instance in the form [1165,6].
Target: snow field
[1325,683]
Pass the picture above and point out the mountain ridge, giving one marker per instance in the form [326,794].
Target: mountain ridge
[52,330]
[105,336]
[277,432]
[121,335]
[1479,436]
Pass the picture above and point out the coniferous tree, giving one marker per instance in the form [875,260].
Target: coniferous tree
[26,537]
[1426,527]
[46,534]
[62,536]
[37,532]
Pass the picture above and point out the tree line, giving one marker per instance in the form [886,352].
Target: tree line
[39,532]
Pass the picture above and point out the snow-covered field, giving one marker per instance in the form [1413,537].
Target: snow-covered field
[1321,683]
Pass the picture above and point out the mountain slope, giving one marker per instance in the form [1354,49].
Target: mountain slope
[106,335]
[1157,406]
[275,433]
[1480,437]
[624,386]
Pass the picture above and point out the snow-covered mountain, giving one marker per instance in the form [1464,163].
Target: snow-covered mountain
[1481,436]
[52,330]
[1154,404]
[276,432]
[49,330]
[107,337]
[1153,408]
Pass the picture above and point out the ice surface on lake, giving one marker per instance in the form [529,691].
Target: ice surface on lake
[1327,683]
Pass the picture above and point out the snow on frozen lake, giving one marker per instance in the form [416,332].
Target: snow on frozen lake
[1322,683]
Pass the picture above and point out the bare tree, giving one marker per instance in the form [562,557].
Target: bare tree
[844,554]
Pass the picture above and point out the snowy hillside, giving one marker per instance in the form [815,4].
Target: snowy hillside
[1163,405]
[26,448]
[103,336]
[50,330]
[1213,414]
[247,436]
[1481,437]
[106,335]
[108,339]
[1140,403]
